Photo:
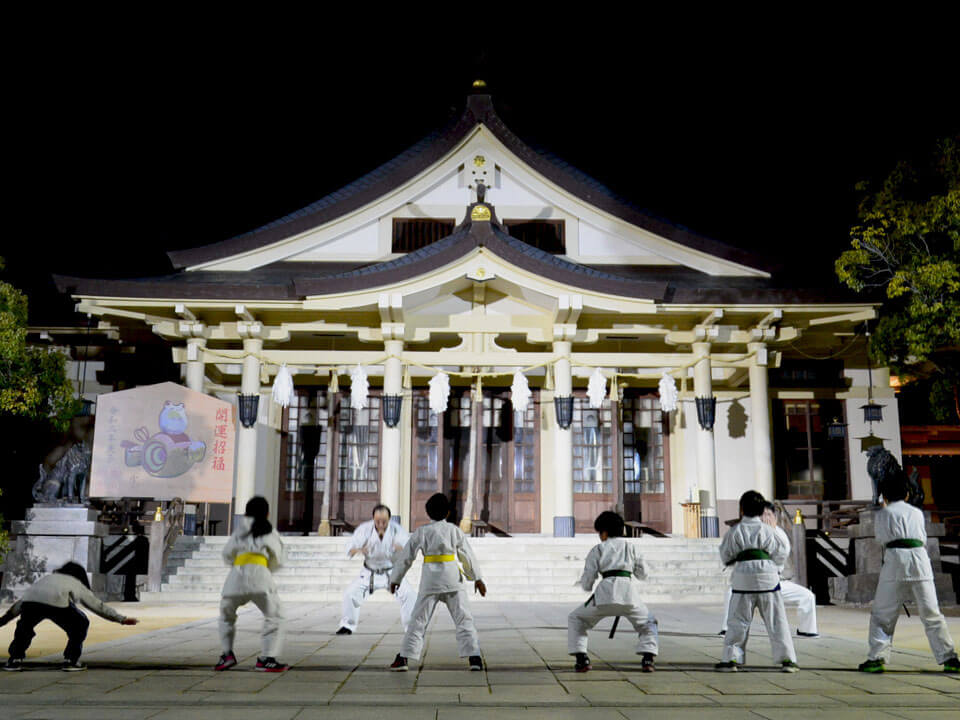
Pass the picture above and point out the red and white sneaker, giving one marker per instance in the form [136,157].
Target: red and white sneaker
[269,664]
[399,664]
[227,661]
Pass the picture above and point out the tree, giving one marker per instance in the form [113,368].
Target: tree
[907,243]
[33,381]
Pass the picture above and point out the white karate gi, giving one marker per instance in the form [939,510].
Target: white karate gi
[793,596]
[753,584]
[906,575]
[613,596]
[439,582]
[377,564]
[252,583]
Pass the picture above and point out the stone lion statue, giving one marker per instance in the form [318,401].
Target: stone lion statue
[65,472]
[882,464]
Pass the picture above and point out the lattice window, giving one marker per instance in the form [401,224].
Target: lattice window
[360,449]
[642,445]
[306,408]
[411,234]
[428,445]
[592,447]
[524,450]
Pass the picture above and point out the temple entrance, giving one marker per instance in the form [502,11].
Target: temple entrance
[506,491]
[645,465]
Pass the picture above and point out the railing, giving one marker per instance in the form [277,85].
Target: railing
[163,535]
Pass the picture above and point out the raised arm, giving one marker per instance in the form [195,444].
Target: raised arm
[781,547]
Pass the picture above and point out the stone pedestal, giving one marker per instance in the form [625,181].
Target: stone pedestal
[48,538]
[866,556]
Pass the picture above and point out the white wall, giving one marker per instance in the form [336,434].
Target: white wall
[861,486]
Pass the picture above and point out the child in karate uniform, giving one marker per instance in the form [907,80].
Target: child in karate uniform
[254,552]
[906,575]
[757,552]
[620,566]
[440,581]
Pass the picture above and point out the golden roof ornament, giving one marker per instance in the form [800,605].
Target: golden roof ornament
[479,84]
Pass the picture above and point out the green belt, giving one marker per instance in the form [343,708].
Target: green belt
[905,543]
[616,573]
[752,554]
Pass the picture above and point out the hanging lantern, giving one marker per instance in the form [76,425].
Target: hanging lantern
[872,412]
[392,404]
[359,389]
[597,389]
[439,393]
[706,412]
[668,393]
[836,430]
[520,392]
[564,410]
[248,405]
[282,392]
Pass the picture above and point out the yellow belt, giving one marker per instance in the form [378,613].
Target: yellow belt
[438,558]
[250,559]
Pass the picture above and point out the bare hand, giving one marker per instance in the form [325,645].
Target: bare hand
[129,621]
[394,587]
[481,588]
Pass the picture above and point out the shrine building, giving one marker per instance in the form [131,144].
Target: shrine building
[473,255]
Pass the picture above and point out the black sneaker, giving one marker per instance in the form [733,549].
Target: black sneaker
[871,666]
[729,666]
[722,632]
[344,631]
[269,664]
[476,663]
[646,664]
[399,664]
[13,665]
[72,666]
[582,664]
[951,665]
[803,634]
[227,661]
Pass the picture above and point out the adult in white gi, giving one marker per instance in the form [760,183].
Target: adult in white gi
[441,580]
[756,551]
[619,565]
[377,540]
[793,595]
[253,552]
[906,575]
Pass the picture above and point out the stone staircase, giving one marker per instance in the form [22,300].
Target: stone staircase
[524,568]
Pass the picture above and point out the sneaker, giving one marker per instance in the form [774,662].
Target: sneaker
[646,665]
[803,634]
[951,665]
[582,664]
[13,665]
[72,666]
[269,664]
[871,666]
[399,664]
[227,661]
[722,632]
[344,631]
[789,666]
[476,663]
[729,666]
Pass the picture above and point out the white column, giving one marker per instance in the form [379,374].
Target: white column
[196,368]
[563,520]
[706,451]
[247,437]
[760,406]
[390,458]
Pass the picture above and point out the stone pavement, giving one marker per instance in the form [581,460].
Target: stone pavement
[165,673]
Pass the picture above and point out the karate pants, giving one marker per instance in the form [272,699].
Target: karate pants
[272,634]
[886,609]
[793,596]
[770,605]
[70,619]
[468,644]
[358,591]
[585,617]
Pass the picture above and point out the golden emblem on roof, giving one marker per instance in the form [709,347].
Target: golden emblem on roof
[479,161]
[480,213]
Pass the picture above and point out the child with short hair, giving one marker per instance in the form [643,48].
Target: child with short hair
[620,566]
[254,552]
[55,597]
[441,580]
[757,552]
[906,574]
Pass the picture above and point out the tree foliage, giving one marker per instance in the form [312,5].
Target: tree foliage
[33,381]
[907,243]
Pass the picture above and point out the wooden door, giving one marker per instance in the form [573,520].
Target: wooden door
[645,463]
[525,467]
[427,472]
[304,437]
[358,461]
[491,499]
[594,461]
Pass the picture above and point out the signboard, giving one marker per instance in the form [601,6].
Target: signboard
[163,441]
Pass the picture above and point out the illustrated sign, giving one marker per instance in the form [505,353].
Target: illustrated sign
[163,441]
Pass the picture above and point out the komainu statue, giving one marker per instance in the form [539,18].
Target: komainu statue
[881,464]
[64,474]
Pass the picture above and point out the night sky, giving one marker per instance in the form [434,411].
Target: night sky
[126,144]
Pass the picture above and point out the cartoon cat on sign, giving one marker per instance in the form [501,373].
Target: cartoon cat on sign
[168,453]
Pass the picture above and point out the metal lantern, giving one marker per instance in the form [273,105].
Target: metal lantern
[391,409]
[872,412]
[706,412]
[564,408]
[248,409]
[836,430]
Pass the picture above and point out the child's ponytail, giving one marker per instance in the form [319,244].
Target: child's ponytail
[258,508]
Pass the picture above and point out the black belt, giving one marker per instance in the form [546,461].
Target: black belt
[374,572]
[757,592]
[616,573]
